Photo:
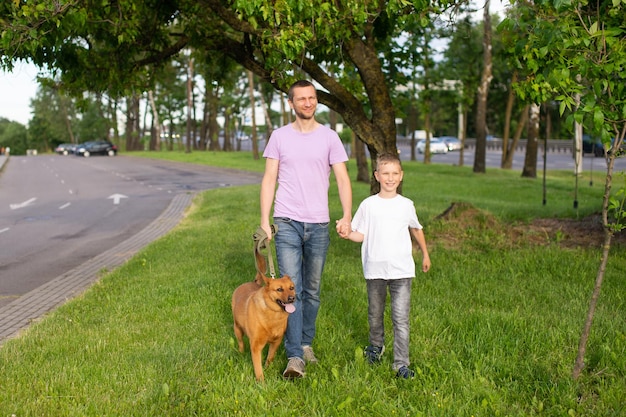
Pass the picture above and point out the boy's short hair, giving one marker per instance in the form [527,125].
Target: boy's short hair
[386,158]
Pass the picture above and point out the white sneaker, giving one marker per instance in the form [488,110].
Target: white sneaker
[309,356]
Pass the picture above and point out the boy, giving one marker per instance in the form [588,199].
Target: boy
[384,223]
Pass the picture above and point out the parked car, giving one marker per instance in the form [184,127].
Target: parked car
[436,146]
[593,145]
[64,148]
[451,142]
[97,147]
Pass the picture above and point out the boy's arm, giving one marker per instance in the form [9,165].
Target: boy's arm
[355,236]
[418,234]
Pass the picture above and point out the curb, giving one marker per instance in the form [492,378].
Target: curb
[19,314]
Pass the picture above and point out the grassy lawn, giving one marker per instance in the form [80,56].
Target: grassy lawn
[494,330]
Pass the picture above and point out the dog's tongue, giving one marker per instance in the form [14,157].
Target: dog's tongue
[290,308]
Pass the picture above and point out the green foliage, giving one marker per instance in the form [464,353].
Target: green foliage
[577,52]
[617,206]
[13,135]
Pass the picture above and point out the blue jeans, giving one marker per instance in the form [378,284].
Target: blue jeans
[400,294]
[301,253]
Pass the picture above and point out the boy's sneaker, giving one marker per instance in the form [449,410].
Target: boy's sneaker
[405,373]
[373,354]
[309,356]
[295,368]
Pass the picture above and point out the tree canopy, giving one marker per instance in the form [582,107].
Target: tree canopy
[114,46]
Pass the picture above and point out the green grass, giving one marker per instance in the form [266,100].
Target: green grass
[494,328]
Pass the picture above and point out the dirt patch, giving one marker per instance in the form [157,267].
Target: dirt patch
[462,221]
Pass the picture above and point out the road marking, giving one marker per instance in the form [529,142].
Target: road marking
[22,205]
[64,206]
[117,197]
[6,229]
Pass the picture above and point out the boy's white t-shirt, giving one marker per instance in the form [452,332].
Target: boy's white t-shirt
[386,251]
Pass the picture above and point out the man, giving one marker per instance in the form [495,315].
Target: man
[299,157]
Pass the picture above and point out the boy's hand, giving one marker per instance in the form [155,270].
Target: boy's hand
[425,264]
[343,228]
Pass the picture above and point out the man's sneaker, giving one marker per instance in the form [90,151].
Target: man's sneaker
[373,354]
[295,368]
[309,356]
[405,373]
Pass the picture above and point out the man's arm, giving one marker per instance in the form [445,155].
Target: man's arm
[268,188]
[345,197]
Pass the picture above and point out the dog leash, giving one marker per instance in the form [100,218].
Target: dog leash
[261,242]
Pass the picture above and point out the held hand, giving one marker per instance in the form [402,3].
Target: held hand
[343,228]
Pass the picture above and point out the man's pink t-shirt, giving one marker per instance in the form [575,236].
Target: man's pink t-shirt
[305,161]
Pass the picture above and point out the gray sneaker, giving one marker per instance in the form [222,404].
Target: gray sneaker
[295,368]
[309,356]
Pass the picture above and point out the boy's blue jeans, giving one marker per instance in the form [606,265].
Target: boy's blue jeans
[301,253]
[400,294]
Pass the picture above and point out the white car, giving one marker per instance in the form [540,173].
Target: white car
[436,146]
[453,143]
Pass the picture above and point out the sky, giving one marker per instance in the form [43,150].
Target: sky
[20,86]
[17,88]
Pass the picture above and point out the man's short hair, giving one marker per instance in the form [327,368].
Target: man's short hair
[298,84]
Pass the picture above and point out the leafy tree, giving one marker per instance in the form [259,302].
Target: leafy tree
[577,50]
[54,118]
[13,135]
[109,46]
[93,123]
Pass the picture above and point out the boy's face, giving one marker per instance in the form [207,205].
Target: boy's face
[389,175]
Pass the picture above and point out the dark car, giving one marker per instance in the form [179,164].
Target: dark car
[593,145]
[98,147]
[64,148]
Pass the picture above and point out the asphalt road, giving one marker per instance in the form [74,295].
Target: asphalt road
[57,212]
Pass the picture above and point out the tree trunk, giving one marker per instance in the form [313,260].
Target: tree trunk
[362,170]
[132,123]
[507,122]
[253,137]
[532,143]
[155,142]
[189,133]
[462,133]
[214,129]
[480,154]
[606,249]
[523,120]
[266,114]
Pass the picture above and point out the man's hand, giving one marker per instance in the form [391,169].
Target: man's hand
[343,228]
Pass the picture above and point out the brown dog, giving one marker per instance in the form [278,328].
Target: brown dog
[260,312]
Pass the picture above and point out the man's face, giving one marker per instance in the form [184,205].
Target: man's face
[304,102]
